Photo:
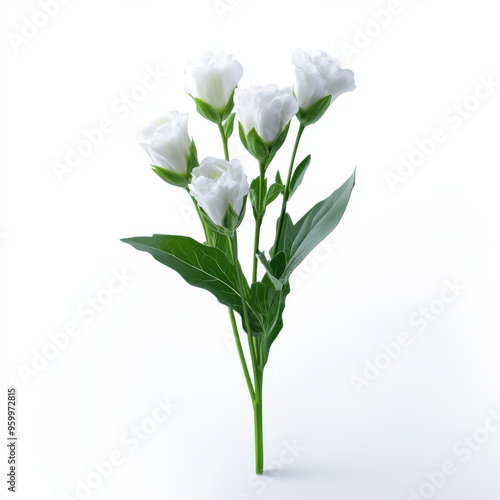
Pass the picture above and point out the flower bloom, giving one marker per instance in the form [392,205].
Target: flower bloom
[318,75]
[167,142]
[218,183]
[267,109]
[212,78]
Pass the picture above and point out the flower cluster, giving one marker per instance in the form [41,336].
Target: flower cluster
[263,111]
[219,189]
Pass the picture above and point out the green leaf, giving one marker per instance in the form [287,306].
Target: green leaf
[229,125]
[223,243]
[278,178]
[171,177]
[274,269]
[267,339]
[274,191]
[200,265]
[315,112]
[298,240]
[298,175]
[268,304]
[207,111]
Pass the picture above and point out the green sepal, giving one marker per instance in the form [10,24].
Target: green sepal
[229,125]
[278,142]
[229,107]
[253,194]
[172,178]
[315,112]
[193,159]
[207,111]
[230,221]
[256,146]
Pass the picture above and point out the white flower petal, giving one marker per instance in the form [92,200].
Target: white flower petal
[318,75]
[167,142]
[212,78]
[217,183]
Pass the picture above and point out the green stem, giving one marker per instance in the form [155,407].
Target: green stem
[259,439]
[234,326]
[286,193]
[224,142]
[256,394]
[241,354]
[208,236]
[246,319]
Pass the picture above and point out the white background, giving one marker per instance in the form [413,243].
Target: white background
[159,338]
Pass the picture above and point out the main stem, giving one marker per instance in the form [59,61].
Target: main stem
[241,354]
[259,439]
[286,193]
[260,215]
[255,394]
[257,399]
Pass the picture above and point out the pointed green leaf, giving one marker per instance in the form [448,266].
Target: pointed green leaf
[278,178]
[298,175]
[274,191]
[277,283]
[201,266]
[268,304]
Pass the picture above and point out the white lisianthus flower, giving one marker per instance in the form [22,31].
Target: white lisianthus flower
[212,78]
[318,75]
[218,183]
[265,108]
[167,142]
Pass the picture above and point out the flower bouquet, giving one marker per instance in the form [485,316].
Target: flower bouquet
[220,192]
